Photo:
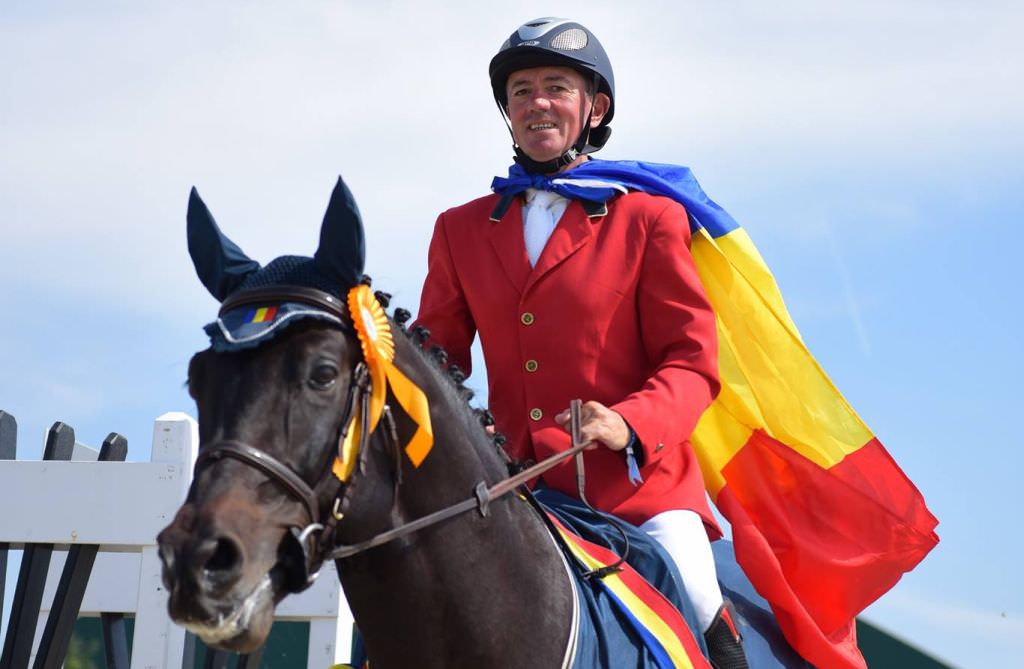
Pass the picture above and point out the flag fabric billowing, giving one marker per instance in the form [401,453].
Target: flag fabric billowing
[823,520]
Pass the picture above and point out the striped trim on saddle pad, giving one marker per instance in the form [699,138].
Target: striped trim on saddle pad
[626,611]
[635,618]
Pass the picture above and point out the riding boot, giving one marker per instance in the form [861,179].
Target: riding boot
[725,646]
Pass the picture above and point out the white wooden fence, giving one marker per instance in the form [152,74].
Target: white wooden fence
[122,506]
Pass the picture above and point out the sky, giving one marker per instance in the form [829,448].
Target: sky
[873,150]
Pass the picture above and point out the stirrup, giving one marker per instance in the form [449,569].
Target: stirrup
[725,645]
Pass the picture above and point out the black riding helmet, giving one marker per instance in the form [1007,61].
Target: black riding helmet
[554,41]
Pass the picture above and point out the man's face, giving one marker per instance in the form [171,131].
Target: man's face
[547,107]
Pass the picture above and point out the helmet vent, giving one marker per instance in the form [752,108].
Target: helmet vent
[572,39]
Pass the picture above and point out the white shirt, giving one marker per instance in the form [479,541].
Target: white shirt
[541,213]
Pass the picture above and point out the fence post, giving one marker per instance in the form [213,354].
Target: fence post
[176,443]
[115,640]
[8,451]
[35,563]
[330,640]
[60,623]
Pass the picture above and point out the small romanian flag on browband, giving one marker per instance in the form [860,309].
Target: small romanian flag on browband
[261,315]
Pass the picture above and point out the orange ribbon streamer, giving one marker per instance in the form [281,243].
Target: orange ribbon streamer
[374,332]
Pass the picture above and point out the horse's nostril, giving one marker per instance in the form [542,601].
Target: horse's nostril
[166,554]
[167,574]
[226,557]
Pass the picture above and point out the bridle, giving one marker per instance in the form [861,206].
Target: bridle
[307,553]
[312,545]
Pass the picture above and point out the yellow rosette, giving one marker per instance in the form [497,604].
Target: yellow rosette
[374,332]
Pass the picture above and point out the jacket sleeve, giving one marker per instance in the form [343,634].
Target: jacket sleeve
[443,307]
[678,332]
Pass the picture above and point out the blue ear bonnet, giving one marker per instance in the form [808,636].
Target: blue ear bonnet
[228,273]
[248,326]
[293,271]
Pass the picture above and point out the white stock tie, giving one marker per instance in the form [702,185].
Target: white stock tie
[542,214]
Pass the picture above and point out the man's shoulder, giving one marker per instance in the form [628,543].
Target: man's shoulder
[474,210]
[649,211]
[636,200]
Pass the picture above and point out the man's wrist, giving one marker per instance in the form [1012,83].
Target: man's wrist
[634,457]
[634,446]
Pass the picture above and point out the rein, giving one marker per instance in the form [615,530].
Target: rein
[481,499]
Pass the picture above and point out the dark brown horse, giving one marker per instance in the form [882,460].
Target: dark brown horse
[276,394]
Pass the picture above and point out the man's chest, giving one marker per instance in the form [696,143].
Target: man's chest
[584,283]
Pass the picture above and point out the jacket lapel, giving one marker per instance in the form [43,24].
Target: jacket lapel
[573,231]
[507,240]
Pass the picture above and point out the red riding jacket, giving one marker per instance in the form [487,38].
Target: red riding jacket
[613,311]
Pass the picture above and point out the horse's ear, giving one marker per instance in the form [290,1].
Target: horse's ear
[342,251]
[220,264]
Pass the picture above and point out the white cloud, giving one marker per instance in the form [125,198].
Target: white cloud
[111,111]
[114,113]
[852,302]
[883,77]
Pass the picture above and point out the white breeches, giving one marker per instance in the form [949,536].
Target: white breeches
[681,533]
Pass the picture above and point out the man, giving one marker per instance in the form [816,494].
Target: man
[586,297]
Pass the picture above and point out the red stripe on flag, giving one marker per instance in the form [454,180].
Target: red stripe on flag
[271,312]
[821,544]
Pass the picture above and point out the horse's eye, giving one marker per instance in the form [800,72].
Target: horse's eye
[323,376]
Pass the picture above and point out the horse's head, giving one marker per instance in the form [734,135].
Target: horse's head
[278,394]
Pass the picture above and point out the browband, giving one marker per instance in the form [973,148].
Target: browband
[301,294]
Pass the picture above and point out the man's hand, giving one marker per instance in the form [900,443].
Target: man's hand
[599,424]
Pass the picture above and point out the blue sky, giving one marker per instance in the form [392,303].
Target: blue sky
[872,151]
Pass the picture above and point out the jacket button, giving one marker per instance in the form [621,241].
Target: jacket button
[527,318]
[531,365]
[659,447]
[536,414]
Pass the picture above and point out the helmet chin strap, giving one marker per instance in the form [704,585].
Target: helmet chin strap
[555,164]
[551,166]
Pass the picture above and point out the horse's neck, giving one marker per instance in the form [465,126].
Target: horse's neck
[472,591]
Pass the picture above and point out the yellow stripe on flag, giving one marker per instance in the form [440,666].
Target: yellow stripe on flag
[769,379]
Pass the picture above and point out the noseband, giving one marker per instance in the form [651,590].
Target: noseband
[272,467]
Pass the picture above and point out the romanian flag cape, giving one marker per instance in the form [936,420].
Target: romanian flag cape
[823,520]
